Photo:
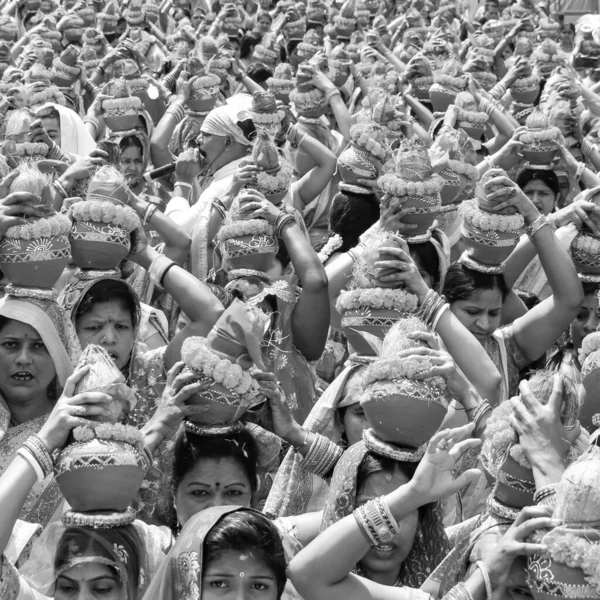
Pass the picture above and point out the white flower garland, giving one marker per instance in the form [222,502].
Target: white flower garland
[41,228]
[132,102]
[333,243]
[590,344]
[472,117]
[531,136]
[267,118]
[235,229]
[391,369]
[397,299]
[392,184]
[105,212]
[370,145]
[421,82]
[31,148]
[278,182]
[463,168]
[587,243]
[312,99]
[526,82]
[450,81]
[207,364]
[484,221]
[109,431]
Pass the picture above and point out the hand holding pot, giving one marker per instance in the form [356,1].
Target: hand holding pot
[284,424]
[72,411]
[582,212]
[510,194]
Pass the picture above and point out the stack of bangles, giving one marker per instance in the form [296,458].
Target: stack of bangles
[488,106]
[159,267]
[38,457]
[322,456]
[283,219]
[60,188]
[148,213]
[476,417]
[91,89]
[498,91]
[376,522]
[432,308]
[534,227]
[177,110]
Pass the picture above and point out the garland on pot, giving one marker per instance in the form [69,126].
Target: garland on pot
[485,221]
[105,212]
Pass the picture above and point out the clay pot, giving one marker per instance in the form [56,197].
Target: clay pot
[404,412]
[452,186]
[427,209]
[99,246]
[441,97]
[73,35]
[154,106]
[515,485]
[225,406]
[489,247]
[474,133]
[589,404]
[62,81]
[203,99]
[100,475]
[522,96]
[354,164]
[548,579]
[34,263]
[121,122]
[250,251]
[539,155]
[584,261]
[376,321]
[339,76]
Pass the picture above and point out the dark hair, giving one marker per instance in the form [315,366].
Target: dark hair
[108,290]
[48,113]
[351,215]
[259,73]
[101,543]
[461,283]
[247,43]
[548,177]
[588,124]
[248,531]
[131,141]
[426,254]
[248,129]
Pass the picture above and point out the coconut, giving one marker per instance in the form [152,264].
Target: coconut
[396,338]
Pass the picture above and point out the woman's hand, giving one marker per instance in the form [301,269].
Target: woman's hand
[581,212]
[284,424]
[14,207]
[95,110]
[433,479]
[513,544]
[396,267]
[259,208]
[511,194]
[391,215]
[71,411]
[183,87]
[172,408]
[320,80]
[510,154]
[84,167]
[38,133]
[246,175]
[139,245]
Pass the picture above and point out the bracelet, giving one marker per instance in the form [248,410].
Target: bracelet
[60,188]
[322,456]
[431,306]
[168,81]
[486,578]
[220,207]
[483,409]
[376,521]
[100,70]
[158,268]
[498,91]
[586,147]
[90,88]
[184,184]
[177,111]
[148,213]
[580,170]
[331,93]
[282,220]
[438,315]
[304,441]
[162,279]
[545,495]
[37,449]
[33,463]
[458,592]
[534,227]
[92,121]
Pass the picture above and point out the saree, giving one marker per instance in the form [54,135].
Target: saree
[180,576]
[295,490]
[431,542]
[57,333]
[75,138]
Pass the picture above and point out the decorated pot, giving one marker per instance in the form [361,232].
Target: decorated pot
[255,251]
[425,210]
[404,412]
[203,99]
[539,154]
[376,321]
[452,186]
[96,245]
[100,475]
[489,247]
[525,95]
[474,132]
[515,485]
[354,164]
[585,251]
[36,262]
[549,579]
[441,97]
[121,122]
[73,34]
[588,396]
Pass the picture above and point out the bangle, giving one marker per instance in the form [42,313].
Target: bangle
[322,456]
[545,495]
[184,184]
[92,121]
[60,188]
[33,463]
[148,213]
[498,91]
[168,81]
[40,453]
[486,578]
[100,70]
[301,140]
[304,442]
[438,315]
[282,220]
[158,268]
[90,88]
[481,411]
[220,207]
[177,111]
[240,76]
[162,279]
[331,93]
[376,522]
[580,170]
[586,147]
[534,227]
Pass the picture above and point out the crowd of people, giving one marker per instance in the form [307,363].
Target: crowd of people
[299,300]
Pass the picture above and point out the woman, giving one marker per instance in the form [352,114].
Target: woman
[262,22]
[345,543]
[223,551]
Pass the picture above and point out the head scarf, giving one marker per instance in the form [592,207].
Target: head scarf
[431,543]
[222,121]
[295,491]
[75,138]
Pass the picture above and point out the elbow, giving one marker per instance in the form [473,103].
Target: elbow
[315,280]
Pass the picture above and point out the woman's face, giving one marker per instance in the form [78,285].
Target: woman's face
[388,558]
[132,162]
[52,127]
[212,482]
[110,325]
[515,586]
[541,195]
[89,581]
[25,363]
[586,321]
[354,415]
[237,575]
[480,313]
[263,24]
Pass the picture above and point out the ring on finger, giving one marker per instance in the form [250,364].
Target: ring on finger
[78,411]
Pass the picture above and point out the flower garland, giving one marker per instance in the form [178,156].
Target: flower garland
[105,212]
[392,184]
[450,81]
[308,100]
[590,344]
[131,103]
[40,228]
[370,145]
[378,298]
[587,243]
[498,429]
[485,78]
[472,117]
[51,95]
[109,431]
[532,136]
[574,551]
[278,182]
[62,69]
[138,85]
[463,168]
[334,243]
[248,227]
[267,118]
[422,82]
[207,364]
[31,148]
[526,83]
[391,369]
[484,221]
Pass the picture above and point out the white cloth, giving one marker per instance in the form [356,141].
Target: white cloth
[75,138]
[222,121]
